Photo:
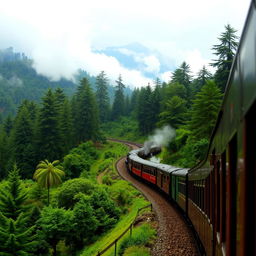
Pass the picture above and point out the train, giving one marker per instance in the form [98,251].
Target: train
[218,195]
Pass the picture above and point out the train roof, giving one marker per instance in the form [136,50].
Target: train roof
[180,172]
[163,167]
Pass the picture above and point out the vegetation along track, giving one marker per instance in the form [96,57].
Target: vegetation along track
[174,237]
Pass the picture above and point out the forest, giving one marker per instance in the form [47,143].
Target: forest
[53,146]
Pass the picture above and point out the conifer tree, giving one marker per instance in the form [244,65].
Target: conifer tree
[15,237]
[12,198]
[86,119]
[49,138]
[182,75]
[202,77]
[23,135]
[118,105]
[66,128]
[144,115]
[8,125]
[102,96]
[4,153]
[204,111]
[225,51]
[173,113]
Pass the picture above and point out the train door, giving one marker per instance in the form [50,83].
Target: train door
[249,198]
[231,198]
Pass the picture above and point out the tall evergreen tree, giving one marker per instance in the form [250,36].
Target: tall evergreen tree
[118,105]
[173,114]
[102,96]
[86,119]
[182,75]
[13,197]
[143,113]
[15,237]
[205,110]
[23,146]
[225,51]
[66,127]
[4,153]
[8,125]
[202,77]
[49,138]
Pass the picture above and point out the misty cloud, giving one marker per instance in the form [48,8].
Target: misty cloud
[59,35]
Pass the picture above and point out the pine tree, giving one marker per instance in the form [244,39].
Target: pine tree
[143,113]
[15,237]
[102,96]
[202,77]
[8,125]
[225,51]
[23,145]
[86,119]
[49,138]
[4,153]
[204,111]
[13,197]
[173,113]
[118,105]
[66,127]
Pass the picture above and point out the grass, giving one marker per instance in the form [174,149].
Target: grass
[111,235]
[109,154]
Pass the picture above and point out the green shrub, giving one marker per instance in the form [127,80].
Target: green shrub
[69,189]
[109,154]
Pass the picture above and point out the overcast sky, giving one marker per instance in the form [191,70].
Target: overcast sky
[60,35]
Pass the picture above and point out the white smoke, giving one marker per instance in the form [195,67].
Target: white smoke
[161,138]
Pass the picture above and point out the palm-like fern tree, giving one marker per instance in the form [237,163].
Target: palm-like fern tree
[48,175]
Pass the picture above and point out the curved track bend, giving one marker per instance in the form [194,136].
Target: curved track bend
[174,238]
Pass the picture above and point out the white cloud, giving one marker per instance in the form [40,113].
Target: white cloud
[59,34]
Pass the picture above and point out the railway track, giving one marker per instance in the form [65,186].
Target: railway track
[174,237]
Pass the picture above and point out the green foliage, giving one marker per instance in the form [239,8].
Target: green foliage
[15,237]
[75,164]
[105,210]
[225,51]
[55,224]
[49,136]
[70,188]
[118,105]
[141,236]
[23,142]
[102,97]
[13,196]
[48,175]
[173,113]
[205,110]
[85,112]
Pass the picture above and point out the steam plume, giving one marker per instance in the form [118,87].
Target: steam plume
[161,137]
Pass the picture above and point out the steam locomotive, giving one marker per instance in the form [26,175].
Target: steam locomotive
[219,194]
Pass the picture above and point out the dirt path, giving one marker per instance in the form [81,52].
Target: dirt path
[174,237]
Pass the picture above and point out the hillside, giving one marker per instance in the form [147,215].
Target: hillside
[19,81]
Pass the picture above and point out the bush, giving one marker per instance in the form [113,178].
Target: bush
[70,188]
[74,164]
[109,154]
